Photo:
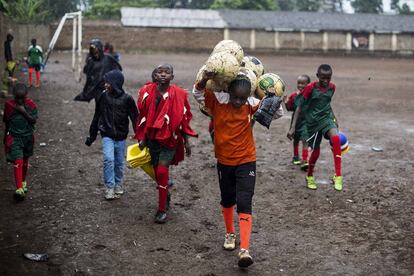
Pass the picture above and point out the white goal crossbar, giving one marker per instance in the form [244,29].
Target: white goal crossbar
[76,41]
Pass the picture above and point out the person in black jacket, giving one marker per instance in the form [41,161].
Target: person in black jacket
[111,119]
[97,65]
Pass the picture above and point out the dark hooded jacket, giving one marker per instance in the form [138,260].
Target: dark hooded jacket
[95,69]
[113,109]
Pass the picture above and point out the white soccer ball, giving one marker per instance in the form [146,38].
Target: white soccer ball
[270,83]
[254,64]
[211,84]
[230,46]
[250,75]
[224,65]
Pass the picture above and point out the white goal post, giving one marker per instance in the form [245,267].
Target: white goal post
[76,41]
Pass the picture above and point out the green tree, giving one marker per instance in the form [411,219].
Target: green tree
[111,9]
[286,5]
[269,5]
[367,6]
[308,5]
[26,11]
[405,10]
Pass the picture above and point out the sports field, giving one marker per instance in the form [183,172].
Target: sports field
[367,229]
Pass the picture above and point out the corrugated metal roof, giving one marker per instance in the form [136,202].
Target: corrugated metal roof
[265,20]
[171,18]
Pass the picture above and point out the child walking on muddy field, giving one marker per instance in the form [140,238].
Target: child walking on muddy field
[164,126]
[300,133]
[112,111]
[20,115]
[235,151]
[320,122]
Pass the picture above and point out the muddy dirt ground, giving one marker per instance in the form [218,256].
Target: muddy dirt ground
[368,229]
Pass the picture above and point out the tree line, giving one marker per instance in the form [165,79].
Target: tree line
[40,11]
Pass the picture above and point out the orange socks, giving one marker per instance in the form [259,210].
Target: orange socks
[228,219]
[245,224]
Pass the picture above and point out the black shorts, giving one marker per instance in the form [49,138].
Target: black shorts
[237,186]
[35,66]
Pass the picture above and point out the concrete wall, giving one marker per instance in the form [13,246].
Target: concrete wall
[405,42]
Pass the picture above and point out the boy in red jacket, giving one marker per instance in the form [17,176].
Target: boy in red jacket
[164,126]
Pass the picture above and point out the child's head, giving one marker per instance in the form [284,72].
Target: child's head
[239,90]
[20,92]
[9,37]
[114,80]
[302,81]
[164,73]
[33,41]
[324,75]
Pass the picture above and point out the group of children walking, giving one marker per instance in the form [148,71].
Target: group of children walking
[161,121]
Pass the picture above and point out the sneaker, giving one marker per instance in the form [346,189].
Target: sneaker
[109,194]
[229,241]
[245,259]
[304,165]
[337,181]
[160,217]
[119,190]
[296,160]
[25,189]
[311,183]
[19,194]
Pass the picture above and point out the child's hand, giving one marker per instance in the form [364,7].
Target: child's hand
[187,147]
[291,133]
[89,141]
[142,144]
[20,108]
[208,75]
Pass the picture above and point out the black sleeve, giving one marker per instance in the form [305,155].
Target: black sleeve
[133,111]
[93,129]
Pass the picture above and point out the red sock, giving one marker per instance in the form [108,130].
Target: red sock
[228,219]
[38,77]
[305,154]
[245,225]
[30,75]
[312,160]
[295,149]
[336,149]
[162,179]
[18,173]
[25,166]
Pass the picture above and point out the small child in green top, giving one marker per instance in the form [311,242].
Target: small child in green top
[34,60]
[320,122]
[20,115]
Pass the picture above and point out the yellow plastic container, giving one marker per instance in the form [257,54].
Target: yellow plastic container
[140,158]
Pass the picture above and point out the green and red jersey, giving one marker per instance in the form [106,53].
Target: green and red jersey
[315,104]
[17,124]
[35,55]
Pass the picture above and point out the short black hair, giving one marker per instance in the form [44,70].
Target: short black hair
[10,37]
[166,65]
[34,41]
[19,88]
[324,67]
[308,79]
[240,82]
[153,77]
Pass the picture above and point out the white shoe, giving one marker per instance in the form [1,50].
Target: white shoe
[119,190]
[109,194]
[229,241]
[245,259]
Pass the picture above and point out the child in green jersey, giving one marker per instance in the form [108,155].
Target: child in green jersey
[320,122]
[34,59]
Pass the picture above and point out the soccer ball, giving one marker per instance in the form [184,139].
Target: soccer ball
[224,65]
[344,143]
[254,64]
[270,83]
[249,74]
[230,46]
[211,84]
